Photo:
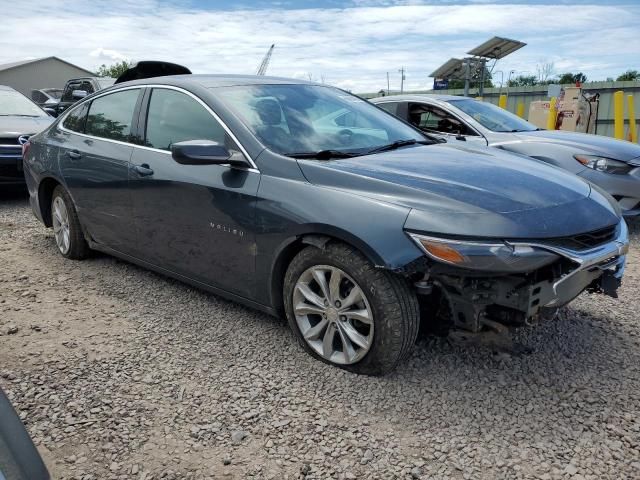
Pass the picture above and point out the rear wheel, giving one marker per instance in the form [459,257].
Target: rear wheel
[347,313]
[66,226]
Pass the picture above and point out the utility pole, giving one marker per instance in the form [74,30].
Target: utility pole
[402,77]
[388,89]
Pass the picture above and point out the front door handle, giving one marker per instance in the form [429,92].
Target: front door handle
[143,170]
[74,154]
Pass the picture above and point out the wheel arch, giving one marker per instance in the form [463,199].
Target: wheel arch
[318,236]
[45,193]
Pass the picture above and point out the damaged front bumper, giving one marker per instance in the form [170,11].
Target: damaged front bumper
[472,297]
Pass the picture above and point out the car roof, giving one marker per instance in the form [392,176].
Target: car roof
[418,96]
[7,88]
[213,81]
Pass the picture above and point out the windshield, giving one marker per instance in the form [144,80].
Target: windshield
[14,103]
[494,118]
[303,119]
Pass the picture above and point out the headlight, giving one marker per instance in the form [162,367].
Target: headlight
[603,164]
[487,256]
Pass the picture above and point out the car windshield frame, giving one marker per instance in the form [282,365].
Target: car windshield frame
[14,104]
[491,116]
[303,120]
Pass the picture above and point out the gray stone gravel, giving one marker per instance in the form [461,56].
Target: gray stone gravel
[120,373]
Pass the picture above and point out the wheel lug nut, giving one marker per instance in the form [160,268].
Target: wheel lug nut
[338,303]
[343,318]
[326,303]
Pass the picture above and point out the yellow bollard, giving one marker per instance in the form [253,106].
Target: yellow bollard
[502,103]
[618,115]
[520,110]
[633,130]
[553,113]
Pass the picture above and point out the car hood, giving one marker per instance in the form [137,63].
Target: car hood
[470,191]
[12,126]
[585,143]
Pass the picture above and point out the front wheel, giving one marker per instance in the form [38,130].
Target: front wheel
[348,313]
[66,226]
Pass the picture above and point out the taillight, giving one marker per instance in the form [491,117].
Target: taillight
[25,149]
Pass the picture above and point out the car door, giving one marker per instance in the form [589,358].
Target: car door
[194,220]
[95,150]
[442,124]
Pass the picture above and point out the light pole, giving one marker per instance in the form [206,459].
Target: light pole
[509,77]
[401,80]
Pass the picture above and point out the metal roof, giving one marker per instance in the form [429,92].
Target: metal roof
[8,66]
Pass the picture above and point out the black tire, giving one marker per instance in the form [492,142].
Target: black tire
[394,305]
[78,247]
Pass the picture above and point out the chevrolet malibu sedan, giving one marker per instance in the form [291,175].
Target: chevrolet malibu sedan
[304,200]
[614,165]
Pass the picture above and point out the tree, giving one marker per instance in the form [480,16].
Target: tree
[572,78]
[544,71]
[629,75]
[474,80]
[114,70]
[523,81]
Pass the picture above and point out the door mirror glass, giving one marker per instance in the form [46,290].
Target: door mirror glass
[201,152]
[79,94]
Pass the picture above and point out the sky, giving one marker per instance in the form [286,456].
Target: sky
[348,43]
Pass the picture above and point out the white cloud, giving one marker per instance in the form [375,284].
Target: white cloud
[350,47]
[106,54]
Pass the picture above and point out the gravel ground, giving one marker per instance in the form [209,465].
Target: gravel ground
[120,373]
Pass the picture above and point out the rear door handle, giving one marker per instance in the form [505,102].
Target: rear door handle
[143,170]
[74,154]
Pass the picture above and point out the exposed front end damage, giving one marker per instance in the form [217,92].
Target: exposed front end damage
[475,300]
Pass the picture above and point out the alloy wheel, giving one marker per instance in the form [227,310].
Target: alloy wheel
[333,314]
[61,225]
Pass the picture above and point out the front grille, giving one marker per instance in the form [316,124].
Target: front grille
[9,141]
[10,171]
[585,241]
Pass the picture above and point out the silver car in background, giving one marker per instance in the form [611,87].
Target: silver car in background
[613,165]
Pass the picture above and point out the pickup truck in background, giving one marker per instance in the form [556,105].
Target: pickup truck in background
[78,88]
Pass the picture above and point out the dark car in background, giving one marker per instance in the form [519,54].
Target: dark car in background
[46,97]
[19,119]
[304,200]
[78,88]
[613,165]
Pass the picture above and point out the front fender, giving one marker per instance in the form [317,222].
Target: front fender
[287,210]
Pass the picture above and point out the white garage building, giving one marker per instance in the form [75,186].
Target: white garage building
[48,72]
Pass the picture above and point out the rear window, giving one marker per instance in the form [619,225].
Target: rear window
[76,118]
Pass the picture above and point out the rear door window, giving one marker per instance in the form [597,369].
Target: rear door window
[111,116]
[391,107]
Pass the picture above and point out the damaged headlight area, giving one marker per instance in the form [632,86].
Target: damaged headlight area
[475,283]
[498,256]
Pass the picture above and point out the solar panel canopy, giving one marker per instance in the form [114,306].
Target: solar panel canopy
[496,48]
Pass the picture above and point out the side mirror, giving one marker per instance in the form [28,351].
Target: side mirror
[50,111]
[203,152]
[79,94]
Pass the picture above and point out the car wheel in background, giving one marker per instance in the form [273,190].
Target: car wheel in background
[66,226]
[347,313]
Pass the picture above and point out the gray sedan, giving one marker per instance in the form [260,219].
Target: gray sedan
[611,164]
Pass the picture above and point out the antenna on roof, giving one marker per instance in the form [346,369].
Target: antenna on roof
[262,69]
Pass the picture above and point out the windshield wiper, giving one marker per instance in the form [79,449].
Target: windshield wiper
[17,115]
[397,144]
[323,154]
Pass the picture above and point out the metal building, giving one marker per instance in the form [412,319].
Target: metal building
[48,72]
